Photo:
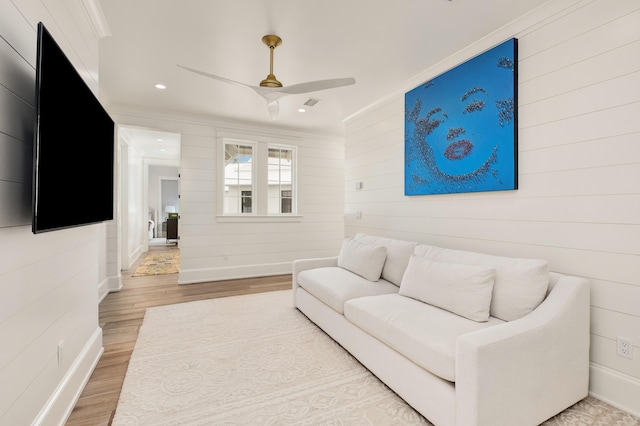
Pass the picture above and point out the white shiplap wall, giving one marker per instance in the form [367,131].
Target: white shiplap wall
[578,202]
[212,248]
[48,282]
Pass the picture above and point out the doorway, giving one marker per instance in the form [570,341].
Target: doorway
[145,156]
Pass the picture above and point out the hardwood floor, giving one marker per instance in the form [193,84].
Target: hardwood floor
[121,315]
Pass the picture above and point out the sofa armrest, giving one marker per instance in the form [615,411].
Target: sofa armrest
[306,264]
[529,369]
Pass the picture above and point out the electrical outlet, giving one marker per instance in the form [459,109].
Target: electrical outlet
[625,347]
[359,214]
[225,256]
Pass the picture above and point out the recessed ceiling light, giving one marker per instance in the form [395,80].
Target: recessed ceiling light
[160,86]
[301,110]
[159,140]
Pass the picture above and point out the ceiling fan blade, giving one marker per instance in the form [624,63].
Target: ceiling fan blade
[269,94]
[222,79]
[314,86]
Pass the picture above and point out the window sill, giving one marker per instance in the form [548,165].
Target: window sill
[252,218]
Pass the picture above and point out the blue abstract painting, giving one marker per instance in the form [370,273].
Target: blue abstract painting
[461,127]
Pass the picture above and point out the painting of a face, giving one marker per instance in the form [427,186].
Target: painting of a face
[461,127]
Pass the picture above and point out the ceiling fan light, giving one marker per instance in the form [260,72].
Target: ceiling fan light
[273,109]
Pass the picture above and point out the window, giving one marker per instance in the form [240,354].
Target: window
[280,166]
[238,178]
[259,180]
[246,201]
[286,202]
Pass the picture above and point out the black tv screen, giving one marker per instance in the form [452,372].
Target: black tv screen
[73,181]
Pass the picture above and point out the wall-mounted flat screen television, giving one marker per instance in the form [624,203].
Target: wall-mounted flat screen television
[73,167]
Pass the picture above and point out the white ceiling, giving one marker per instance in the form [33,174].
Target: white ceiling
[381,43]
[158,148]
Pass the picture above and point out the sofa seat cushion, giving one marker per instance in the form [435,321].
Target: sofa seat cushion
[423,333]
[334,286]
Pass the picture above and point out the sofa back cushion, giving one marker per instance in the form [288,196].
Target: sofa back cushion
[520,284]
[462,289]
[363,259]
[398,254]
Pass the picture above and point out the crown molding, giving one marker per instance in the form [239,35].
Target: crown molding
[96,17]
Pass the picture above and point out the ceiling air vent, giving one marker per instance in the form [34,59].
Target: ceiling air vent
[311,102]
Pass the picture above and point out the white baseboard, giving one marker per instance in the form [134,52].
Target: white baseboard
[134,256]
[61,403]
[614,388]
[111,284]
[192,276]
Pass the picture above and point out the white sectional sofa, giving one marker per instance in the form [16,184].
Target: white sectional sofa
[465,338]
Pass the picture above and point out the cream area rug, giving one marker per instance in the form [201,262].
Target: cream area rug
[256,360]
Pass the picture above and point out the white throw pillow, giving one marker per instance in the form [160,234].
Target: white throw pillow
[464,290]
[363,259]
[398,254]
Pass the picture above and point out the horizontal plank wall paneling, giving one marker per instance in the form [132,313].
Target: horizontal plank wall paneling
[17,113]
[578,201]
[49,282]
[212,249]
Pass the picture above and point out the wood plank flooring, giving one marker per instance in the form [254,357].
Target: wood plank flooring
[121,315]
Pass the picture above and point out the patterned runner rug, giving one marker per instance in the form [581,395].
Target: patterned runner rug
[253,360]
[159,264]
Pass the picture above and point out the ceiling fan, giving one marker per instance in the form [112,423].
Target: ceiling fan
[271,89]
